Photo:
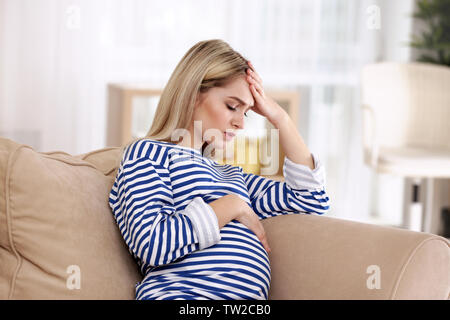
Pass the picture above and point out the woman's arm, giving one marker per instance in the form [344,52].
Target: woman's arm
[231,207]
[291,141]
[154,230]
[302,192]
[304,189]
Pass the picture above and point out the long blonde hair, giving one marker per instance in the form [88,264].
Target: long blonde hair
[208,64]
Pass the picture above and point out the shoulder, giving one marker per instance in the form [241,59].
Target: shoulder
[158,152]
[147,149]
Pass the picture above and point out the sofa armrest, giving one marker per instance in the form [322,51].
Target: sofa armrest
[319,257]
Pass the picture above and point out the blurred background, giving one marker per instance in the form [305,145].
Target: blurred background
[59,57]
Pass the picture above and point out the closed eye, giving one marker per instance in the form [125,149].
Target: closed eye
[234,109]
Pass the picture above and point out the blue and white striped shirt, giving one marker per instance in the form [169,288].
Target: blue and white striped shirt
[160,202]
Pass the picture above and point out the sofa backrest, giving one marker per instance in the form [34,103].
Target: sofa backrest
[58,237]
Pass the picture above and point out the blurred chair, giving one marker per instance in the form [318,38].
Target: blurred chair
[406,127]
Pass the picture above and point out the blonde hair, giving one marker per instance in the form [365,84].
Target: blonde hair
[208,64]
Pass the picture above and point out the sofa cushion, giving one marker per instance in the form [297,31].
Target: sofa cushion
[58,237]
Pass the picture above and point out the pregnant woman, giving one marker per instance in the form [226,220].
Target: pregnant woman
[192,224]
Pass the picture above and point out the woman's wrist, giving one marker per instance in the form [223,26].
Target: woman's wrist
[225,209]
[279,118]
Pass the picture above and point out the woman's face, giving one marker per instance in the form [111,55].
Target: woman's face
[221,111]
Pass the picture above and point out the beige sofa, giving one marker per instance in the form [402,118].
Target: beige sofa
[58,240]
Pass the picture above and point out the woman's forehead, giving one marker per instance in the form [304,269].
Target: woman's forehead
[238,90]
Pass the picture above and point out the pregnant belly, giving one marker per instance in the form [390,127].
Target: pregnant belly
[235,268]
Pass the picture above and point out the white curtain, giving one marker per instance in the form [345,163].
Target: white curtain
[57,57]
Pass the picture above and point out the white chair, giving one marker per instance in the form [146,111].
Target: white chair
[406,126]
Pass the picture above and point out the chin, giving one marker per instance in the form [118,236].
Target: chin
[216,147]
[219,145]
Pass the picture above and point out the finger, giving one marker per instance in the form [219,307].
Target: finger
[253,72]
[251,65]
[252,79]
[251,220]
[254,75]
[257,84]
[261,234]
[255,92]
[265,243]
[258,87]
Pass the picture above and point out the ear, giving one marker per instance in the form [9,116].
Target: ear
[198,100]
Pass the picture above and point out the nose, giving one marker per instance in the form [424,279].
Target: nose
[238,121]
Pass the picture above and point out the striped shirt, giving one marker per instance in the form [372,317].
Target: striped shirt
[160,203]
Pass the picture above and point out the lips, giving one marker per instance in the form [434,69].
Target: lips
[229,135]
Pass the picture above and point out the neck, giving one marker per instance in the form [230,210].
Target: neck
[190,141]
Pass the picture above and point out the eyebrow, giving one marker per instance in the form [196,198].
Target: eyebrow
[240,101]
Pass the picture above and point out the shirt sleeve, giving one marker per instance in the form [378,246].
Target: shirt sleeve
[155,232]
[303,191]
